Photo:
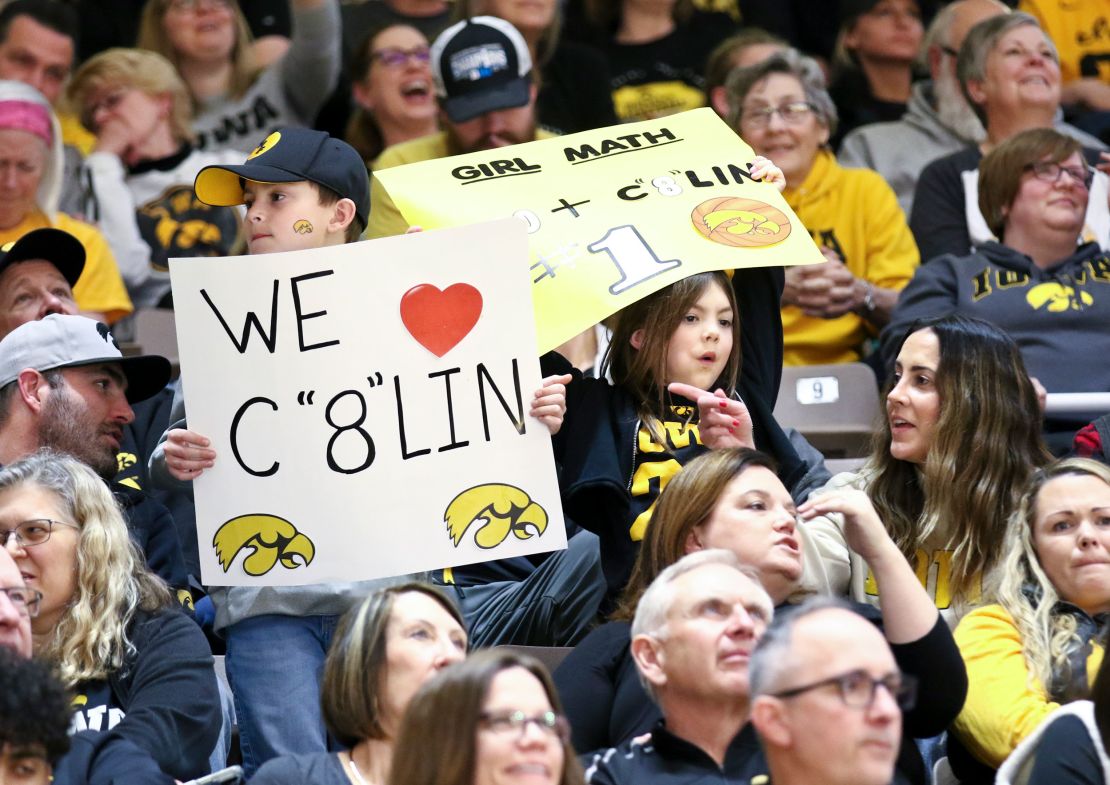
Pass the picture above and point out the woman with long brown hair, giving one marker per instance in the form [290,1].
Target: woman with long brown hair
[960,437]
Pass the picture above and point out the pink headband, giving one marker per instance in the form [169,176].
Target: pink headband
[27,116]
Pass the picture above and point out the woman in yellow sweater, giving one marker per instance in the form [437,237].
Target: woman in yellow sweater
[780,107]
[1042,642]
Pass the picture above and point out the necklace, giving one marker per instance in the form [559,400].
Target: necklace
[354,769]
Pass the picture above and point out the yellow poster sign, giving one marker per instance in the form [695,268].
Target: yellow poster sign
[613,214]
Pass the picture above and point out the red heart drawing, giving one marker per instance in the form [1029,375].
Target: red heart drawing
[437,319]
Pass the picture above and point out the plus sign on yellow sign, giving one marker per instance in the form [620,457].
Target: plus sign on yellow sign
[612,214]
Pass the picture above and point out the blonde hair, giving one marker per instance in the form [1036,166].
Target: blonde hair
[140,69]
[113,583]
[1025,590]
[152,36]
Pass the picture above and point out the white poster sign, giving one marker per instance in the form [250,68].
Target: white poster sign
[369,408]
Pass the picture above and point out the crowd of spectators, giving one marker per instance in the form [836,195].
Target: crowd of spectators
[726,607]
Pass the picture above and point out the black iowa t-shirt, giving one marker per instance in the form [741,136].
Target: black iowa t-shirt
[656,463]
[665,76]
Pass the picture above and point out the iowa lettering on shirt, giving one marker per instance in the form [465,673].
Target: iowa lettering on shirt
[934,570]
[657,463]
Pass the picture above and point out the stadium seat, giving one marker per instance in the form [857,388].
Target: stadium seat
[834,406]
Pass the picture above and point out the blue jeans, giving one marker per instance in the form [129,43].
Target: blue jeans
[275,665]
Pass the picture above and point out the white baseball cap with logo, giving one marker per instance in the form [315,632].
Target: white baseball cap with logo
[61,341]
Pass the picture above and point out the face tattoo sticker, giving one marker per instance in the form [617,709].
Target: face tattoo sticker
[302,226]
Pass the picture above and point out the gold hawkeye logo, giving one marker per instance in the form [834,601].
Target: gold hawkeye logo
[499,509]
[270,539]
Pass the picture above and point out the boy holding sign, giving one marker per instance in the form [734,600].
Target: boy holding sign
[302,190]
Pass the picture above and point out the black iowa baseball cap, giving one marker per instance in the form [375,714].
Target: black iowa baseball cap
[288,156]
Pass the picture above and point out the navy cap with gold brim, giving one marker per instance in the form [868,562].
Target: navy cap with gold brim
[59,248]
[288,156]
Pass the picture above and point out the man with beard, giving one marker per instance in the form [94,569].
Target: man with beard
[487,99]
[65,385]
[938,119]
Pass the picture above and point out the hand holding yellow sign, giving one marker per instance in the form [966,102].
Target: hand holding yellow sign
[613,214]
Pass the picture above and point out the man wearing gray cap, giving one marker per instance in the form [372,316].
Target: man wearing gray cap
[64,384]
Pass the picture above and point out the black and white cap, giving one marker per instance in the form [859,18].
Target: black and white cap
[481,65]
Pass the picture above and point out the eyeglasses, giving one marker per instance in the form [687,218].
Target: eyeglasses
[398,58]
[1050,172]
[857,689]
[29,533]
[794,113]
[193,5]
[27,601]
[516,722]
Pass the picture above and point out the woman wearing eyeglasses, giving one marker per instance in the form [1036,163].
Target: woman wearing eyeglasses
[1039,283]
[393,90]
[492,720]
[1009,72]
[136,664]
[781,108]
[237,103]
[384,649]
[1041,645]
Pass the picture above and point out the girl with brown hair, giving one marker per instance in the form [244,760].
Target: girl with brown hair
[675,364]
